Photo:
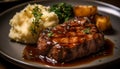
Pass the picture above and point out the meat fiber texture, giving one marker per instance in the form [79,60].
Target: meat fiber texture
[73,39]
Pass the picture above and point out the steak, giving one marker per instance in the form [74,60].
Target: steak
[73,39]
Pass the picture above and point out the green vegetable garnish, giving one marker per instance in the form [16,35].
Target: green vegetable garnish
[63,10]
[50,34]
[33,29]
[37,15]
[86,31]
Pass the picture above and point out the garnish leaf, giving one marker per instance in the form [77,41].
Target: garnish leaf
[37,15]
[50,34]
[86,31]
[64,11]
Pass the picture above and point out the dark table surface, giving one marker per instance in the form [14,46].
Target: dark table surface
[4,64]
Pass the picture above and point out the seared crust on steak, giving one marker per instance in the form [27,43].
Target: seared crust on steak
[73,39]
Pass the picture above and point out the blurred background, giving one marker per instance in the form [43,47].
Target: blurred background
[6,4]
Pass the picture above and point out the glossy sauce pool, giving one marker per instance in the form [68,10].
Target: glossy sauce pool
[31,53]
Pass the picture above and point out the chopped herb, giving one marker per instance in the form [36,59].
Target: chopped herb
[64,11]
[33,29]
[86,31]
[50,34]
[37,15]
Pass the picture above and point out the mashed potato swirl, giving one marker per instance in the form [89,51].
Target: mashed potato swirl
[22,22]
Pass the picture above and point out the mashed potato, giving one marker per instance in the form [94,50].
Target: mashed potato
[22,22]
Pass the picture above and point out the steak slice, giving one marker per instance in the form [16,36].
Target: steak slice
[73,39]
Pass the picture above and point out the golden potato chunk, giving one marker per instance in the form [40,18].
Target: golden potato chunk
[103,23]
[84,10]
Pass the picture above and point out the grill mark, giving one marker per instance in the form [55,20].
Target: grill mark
[70,34]
[69,40]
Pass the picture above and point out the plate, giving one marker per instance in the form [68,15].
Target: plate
[13,51]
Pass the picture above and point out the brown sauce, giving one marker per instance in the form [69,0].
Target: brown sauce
[34,55]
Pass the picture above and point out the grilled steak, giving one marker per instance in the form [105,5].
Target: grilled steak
[73,39]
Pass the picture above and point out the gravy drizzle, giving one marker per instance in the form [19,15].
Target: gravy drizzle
[31,53]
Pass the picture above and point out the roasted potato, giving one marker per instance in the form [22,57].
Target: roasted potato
[103,23]
[84,10]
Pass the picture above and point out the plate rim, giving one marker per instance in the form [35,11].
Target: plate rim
[100,2]
[28,64]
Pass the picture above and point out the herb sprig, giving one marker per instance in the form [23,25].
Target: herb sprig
[37,15]
[86,31]
[50,34]
[63,10]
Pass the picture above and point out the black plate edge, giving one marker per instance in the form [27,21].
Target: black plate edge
[12,60]
[106,4]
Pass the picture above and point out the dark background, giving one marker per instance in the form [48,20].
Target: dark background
[7,65]
[6,5]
